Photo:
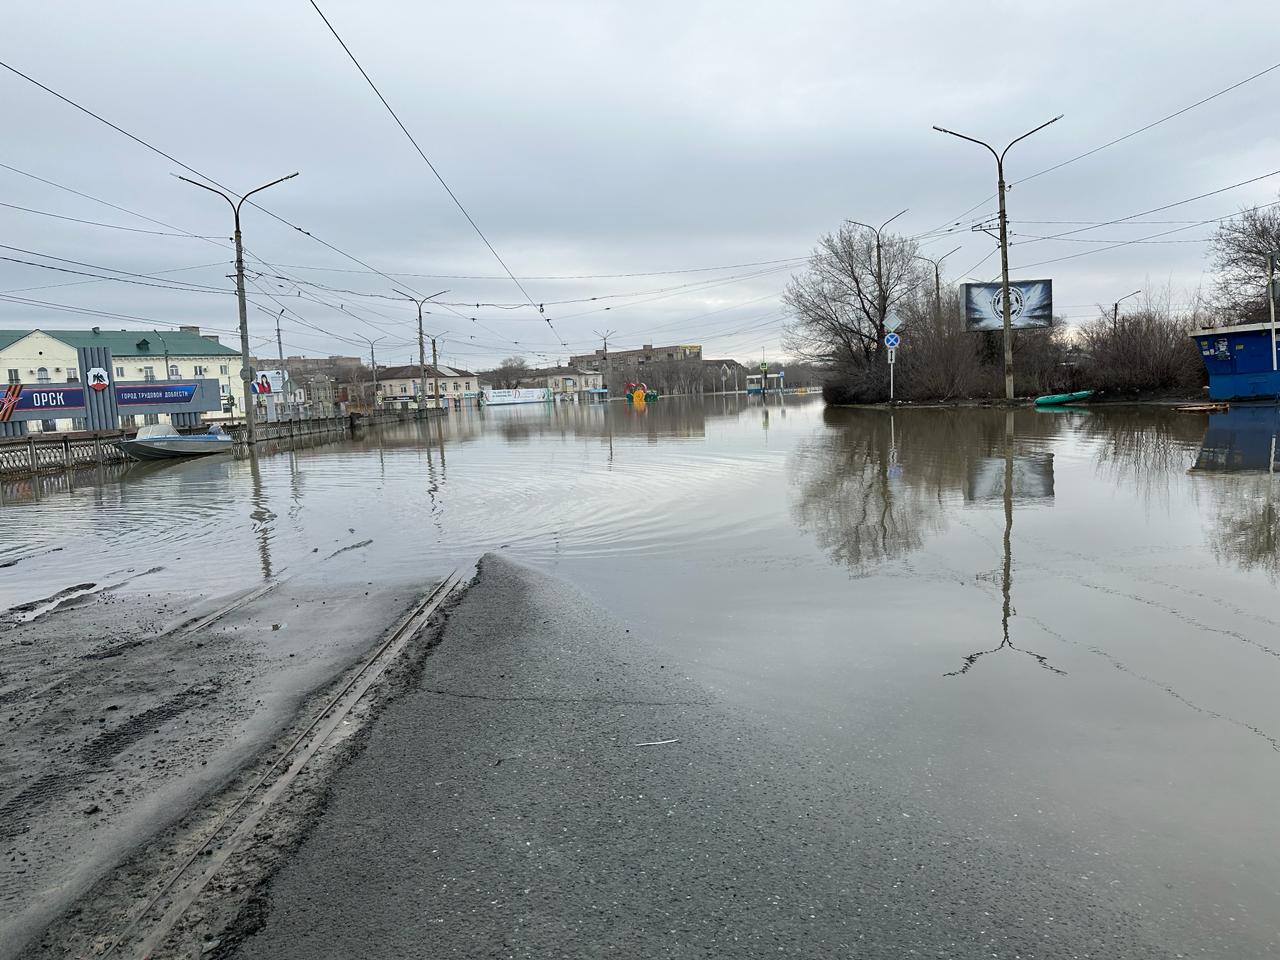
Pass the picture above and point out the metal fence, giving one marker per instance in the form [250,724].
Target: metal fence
[49,453]
[45,454]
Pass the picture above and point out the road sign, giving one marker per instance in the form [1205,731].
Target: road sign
[892,351]
[764,366]
[892,340]
[892,323]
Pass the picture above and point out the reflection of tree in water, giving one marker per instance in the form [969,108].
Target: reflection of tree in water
[1238,474]
[849,501]
[874,486]
[1246,528]
[1145,450]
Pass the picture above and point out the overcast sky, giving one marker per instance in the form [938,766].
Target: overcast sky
[605,139]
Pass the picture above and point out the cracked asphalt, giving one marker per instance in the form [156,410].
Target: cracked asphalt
[504,806]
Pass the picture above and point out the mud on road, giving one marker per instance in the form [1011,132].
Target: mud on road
[122,710]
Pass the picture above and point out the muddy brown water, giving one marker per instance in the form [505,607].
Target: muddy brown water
[1056,631]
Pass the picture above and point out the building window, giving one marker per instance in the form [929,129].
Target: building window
[42,375]
[151,418]
[468,387]
[73,376]
[456,386]
[128,422]
[199,371]
[403,389]
[48,426]
[149,374]
[79,423]
[224,369]
[173,370]
[119,373]
[13,376]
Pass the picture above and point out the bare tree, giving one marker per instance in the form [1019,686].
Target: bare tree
[507,375]
[840,302]
[1239,255]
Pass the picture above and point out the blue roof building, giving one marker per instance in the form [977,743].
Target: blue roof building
[1242,361]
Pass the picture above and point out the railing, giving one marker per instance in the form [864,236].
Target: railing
[50,453]
[23,456]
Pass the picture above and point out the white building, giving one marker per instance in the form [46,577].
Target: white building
[49,356]
[398,386]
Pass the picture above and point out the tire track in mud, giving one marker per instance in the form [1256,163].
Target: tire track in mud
[95,756]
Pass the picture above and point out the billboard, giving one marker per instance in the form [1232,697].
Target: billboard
[268,381]
[1030,305]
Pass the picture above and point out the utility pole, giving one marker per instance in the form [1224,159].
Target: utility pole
[937,280]
[435,369]
[422,354]
[1004,243]
[280,353]
[373,364]
[165,347]
[1271,302]
[246,372]
[605,335]
[1115,311]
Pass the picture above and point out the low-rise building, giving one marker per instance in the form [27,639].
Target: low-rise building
[570,382]
[37,356]
[398,386]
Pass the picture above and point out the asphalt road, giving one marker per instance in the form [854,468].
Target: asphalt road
[504,807]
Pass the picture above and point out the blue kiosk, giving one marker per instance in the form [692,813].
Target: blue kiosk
[1242,361]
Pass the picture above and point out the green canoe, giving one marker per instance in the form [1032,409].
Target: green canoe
[1058,399]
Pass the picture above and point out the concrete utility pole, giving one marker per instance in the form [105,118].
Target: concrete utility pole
[422,354]
[937,279]
[605,335]
[435,369]
[1004,243]
[1271,302]
[246,371]
[284,384]
[373,364]
[1115,311]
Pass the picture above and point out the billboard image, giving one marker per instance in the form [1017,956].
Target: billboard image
[1030,305]
[268,381]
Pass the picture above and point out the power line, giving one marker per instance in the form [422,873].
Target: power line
[405,130]
[98,223]
[565,276]
[1109,143]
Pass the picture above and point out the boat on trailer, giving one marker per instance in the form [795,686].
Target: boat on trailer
[160,441]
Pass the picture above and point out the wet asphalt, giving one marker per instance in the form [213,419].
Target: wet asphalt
[504,806]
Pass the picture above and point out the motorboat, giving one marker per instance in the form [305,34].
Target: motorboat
[160,441]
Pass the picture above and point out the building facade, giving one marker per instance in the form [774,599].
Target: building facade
[568,382]
[646,354]
[398,386]
[49,356]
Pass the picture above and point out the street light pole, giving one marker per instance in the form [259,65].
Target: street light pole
[373,364]
[1004,242]
[937,279]
[422,353]
[882,295]
[1115,311]
[605,335]
[246,373]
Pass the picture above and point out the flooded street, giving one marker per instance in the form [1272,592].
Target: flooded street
[1051,634]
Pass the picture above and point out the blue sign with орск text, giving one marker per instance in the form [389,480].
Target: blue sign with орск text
[50,398]
[134,394]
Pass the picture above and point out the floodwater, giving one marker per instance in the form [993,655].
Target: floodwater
[1057,632]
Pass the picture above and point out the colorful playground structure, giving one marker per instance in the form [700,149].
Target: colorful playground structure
[640,393]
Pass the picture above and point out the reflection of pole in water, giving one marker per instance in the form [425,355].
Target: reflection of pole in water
[261,516]
[1006,579]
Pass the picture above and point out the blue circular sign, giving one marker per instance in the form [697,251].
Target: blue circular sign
[892,340]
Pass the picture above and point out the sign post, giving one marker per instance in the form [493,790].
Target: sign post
[892,342]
